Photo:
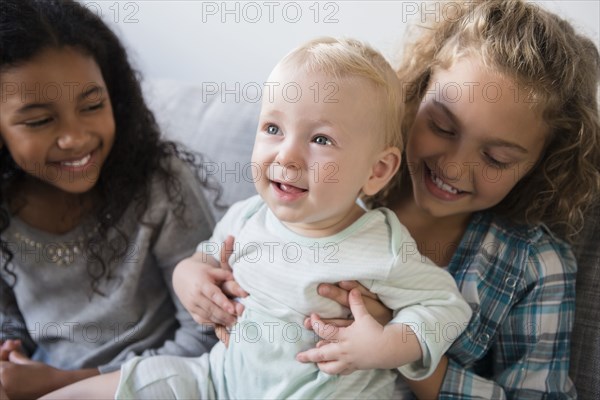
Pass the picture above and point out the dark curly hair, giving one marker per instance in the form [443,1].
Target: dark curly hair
[28,27]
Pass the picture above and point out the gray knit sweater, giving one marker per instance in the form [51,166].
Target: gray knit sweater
[63,324]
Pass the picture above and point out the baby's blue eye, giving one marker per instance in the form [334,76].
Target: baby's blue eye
[272,129]
[323,140]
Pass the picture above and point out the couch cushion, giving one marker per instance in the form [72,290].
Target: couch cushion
[585,345]
[216,125]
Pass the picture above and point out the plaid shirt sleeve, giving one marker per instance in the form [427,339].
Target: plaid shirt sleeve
[527,356]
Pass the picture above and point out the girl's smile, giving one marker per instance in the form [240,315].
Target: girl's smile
[439,187]
[77,164]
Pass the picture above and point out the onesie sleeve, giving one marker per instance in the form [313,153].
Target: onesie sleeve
[231,223]
[424,297]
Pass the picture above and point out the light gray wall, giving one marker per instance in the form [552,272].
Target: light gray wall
[238,42]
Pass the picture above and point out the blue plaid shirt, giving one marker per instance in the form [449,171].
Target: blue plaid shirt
[520,283]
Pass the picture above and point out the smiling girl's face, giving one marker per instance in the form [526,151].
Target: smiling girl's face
[57,120]
[475,135]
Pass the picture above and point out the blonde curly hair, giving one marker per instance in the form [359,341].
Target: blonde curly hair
[350,58]
[540,51]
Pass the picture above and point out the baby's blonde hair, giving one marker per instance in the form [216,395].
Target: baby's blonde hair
[560,69]
[350,58]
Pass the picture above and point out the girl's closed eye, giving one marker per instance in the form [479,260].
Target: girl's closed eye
[437,128]
[93,107]
[322,140]
[494,162]
[38,122]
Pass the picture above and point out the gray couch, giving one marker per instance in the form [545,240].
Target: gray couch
[223,127]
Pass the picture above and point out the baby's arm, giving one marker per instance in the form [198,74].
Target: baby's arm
[426,299]
[429,314]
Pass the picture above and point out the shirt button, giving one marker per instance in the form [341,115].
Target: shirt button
[511,282]
[485,338]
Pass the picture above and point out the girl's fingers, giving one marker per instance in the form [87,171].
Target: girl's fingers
[232,289]
[223,334]
[334,293]
[218,309]
[226,251]
[220,275]
[218,298]
[381,313]
[211,314]
[349,285]
[239,308]
[338,322]
[9,346]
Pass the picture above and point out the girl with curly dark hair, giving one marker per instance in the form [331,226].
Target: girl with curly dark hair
[96,209]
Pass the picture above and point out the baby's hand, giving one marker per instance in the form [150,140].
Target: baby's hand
[344,350]
[365,344]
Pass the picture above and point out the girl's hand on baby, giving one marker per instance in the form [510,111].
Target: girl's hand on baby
[339,293]
[198,286]
[222,334]
[230,287]
[344,350]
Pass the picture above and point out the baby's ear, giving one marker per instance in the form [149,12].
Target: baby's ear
[384,169]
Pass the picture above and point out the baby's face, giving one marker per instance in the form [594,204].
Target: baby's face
[317,142]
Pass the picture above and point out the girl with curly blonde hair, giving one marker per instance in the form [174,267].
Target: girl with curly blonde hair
[500,163]
[502,133]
